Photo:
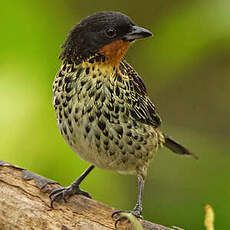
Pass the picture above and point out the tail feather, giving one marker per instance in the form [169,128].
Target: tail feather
[176,147]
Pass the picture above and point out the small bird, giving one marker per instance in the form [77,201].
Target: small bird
[102,107]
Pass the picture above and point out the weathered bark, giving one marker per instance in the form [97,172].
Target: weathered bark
[25,204]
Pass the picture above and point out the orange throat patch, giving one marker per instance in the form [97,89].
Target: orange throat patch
[115,51]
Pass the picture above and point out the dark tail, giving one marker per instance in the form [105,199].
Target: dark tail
[176,147]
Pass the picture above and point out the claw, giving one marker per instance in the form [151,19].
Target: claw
[57,195]
[84,193]
[64,193]
[55,190]
[117,212]
[121,217]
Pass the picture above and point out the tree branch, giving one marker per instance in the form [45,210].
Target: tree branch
[25,204]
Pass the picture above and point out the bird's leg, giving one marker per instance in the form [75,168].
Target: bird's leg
[64,193]
[138,207]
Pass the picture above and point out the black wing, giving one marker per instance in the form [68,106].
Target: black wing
[141,107]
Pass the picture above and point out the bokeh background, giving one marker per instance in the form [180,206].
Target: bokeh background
[186,67]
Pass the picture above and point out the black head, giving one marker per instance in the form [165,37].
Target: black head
[98,30]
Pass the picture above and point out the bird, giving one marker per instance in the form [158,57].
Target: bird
[102,106]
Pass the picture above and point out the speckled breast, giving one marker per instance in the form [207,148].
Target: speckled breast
[93,115]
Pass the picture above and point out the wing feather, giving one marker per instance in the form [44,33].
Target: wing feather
[141,107]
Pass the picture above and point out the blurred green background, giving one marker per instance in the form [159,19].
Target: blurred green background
[186,67]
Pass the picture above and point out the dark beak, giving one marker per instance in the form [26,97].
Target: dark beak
[136,33]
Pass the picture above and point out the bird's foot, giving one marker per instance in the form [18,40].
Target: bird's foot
[65,192]
[120,217]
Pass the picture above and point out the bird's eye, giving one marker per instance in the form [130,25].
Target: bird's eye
[111,32]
